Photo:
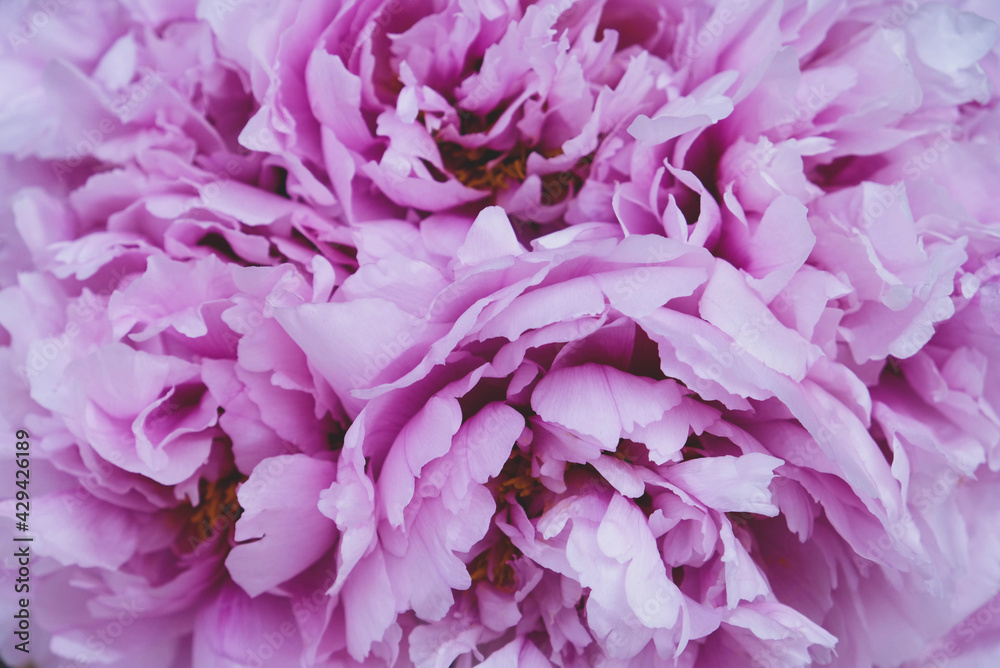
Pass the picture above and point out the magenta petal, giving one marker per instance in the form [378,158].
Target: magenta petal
[729,484]
[576,397]
[489,436]
[73,529]
[236,630]
[279,503]
[730,305]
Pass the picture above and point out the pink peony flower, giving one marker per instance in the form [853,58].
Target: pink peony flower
[150,250]
[527,107]
[560,425]
[558,333]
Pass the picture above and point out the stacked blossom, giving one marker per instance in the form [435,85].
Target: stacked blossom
[482,332]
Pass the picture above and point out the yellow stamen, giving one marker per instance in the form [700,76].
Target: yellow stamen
[493,565]
[218,508]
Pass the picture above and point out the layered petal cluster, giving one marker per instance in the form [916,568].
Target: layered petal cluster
[481,332]
[446,107]
[586,452]
[144,253]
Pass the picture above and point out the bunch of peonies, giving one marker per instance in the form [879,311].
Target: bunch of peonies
[491,332]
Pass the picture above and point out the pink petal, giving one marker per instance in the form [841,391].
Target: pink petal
[279,503]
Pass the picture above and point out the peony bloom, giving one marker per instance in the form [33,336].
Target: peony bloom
[452,106]
[599,415]
[147,251]
[481,332]
[533,423]
[144,424]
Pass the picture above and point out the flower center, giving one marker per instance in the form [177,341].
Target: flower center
[216,512]
[516,477]
[489,169]
[493,565]
[485,168]
[514,483]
